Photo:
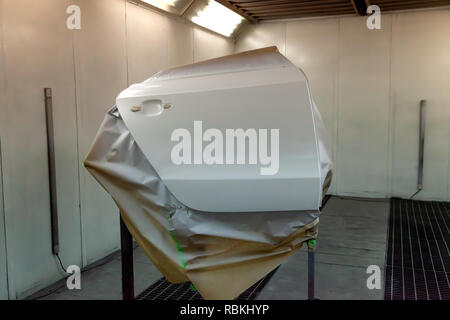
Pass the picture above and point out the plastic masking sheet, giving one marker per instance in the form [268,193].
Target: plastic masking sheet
[222,254]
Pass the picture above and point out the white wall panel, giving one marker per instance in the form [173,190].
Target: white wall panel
[86,69]
[421,70]
[208,45]
[3,260]
[369,92]
[363,117]
[313,46]
[101,73]
[38,54]
[180,38]
[262,35]
[146,43]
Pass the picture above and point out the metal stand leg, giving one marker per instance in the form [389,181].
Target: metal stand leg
[127,262]
[311,251]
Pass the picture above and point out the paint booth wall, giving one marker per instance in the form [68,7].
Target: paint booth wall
[118,44]
[368,85]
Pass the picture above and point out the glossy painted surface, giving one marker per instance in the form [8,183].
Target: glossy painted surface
[271,95]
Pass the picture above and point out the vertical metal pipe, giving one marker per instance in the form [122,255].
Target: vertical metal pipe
[127,262]
[421,144]
[311,266]
[310,274]
[51,169]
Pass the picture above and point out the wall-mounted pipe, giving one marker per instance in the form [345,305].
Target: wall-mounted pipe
[51,169]
[421,146]
[421,143]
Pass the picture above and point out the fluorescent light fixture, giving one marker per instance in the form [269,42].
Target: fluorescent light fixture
[170,2]
[218,18]
[157,3]
[173,6]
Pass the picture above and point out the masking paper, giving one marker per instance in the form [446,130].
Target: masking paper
[223,253]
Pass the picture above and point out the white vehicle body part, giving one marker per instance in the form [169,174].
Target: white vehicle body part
[259,89]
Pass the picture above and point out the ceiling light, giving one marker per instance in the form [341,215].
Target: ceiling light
[172,6]
[157,3]
[170,2]
[217,17]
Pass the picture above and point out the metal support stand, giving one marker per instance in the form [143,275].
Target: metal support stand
[128,273]
[311,255]
[126,241]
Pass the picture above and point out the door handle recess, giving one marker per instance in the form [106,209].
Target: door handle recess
[149,108]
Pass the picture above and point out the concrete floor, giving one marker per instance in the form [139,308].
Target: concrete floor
[104,282]
[352,236]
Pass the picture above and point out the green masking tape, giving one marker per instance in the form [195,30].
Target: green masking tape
[311,243]
[181,257]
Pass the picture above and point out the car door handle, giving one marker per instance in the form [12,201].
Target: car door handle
[149,108]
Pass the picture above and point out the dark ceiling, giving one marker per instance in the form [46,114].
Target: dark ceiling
[258,10]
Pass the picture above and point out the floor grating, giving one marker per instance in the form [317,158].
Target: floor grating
[164,290]
[418,255]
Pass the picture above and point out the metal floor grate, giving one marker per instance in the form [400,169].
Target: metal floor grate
[164,290]
[418,255]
